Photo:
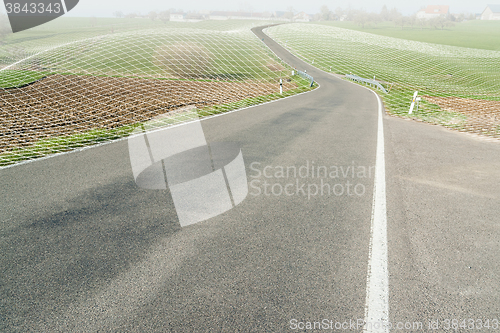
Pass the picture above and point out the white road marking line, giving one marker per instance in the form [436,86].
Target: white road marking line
[377,286]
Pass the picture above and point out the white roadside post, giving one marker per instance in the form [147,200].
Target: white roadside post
[418,102]
[413,102]
[281,86]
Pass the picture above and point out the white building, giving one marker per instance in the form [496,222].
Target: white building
[177,17]
[492,12]
[302,17]
[266,16]
[187,17]
[433,11]
[222,15]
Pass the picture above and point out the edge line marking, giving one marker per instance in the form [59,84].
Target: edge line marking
[377,284]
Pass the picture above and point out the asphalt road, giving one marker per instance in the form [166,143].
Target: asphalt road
[85,250]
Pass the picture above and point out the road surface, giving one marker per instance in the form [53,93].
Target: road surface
[85,250]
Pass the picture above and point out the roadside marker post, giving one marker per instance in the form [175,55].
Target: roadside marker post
[413,102]
[281,86]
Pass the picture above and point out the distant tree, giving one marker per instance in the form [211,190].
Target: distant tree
[118,14]
[441,22]
[339,12]
[360,17]
[434,22]
[421,23]
[374,18]
[350,14]
[325,13]
[412,20]
[394,15]
[448,24]
[316,17]
[153,15]
[290,12]
[397,18]
[400,21]
[131,15]
[164,16]
[384,14]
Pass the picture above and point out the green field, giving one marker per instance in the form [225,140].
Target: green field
[402,66]
[67,29]
[475,34]
[19,78]
[228,49]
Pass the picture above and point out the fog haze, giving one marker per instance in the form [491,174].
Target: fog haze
[100,8]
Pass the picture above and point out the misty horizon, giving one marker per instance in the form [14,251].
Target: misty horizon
[88,8]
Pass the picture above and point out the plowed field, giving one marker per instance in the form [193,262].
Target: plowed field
[483,116]
[67,104]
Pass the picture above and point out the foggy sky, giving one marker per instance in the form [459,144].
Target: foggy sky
[100,8]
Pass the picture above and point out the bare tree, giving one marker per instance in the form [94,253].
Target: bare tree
[360,17]
[402,21]
[325,13]
[394,15]
[384,14]
[374,18]
[184,60]
[448,24]
[398,18]
[441,22]
[460,17]
[153,15]
[164,16]
[421,23]
[339,12]
[290,12]
[118,14]
[412,20]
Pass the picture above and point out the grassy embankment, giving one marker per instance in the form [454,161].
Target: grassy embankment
[404,65]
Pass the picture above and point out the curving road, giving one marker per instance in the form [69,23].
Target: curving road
[85,250]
